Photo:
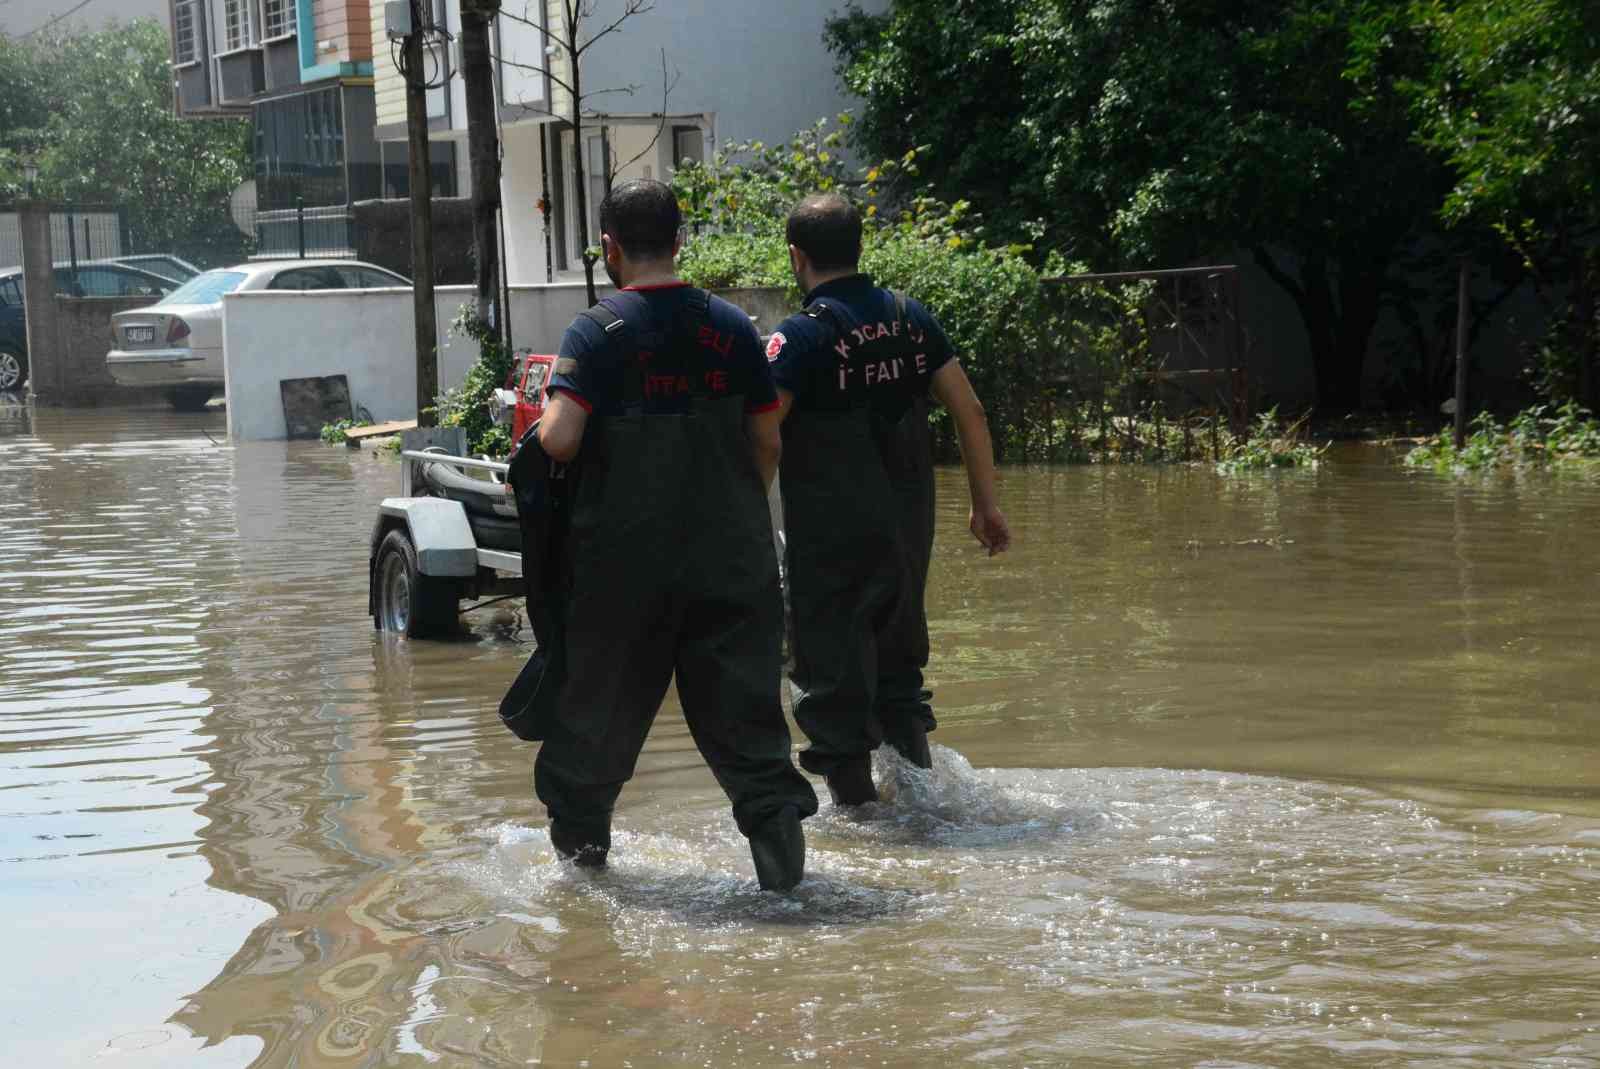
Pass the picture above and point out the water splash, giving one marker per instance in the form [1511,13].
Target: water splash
[953,804]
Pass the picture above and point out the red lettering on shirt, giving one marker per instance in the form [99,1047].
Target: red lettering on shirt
[718,381]
[716,341]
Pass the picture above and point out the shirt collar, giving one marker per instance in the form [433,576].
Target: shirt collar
[840,287]
[676,283]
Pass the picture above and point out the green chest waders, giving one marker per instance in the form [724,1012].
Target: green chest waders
[858,514]
[670,572]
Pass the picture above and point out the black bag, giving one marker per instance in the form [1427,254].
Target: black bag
[542,488]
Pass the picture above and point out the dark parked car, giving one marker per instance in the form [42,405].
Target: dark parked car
[103,279]
[164,264]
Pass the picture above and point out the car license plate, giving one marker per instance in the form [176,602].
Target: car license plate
[141,334]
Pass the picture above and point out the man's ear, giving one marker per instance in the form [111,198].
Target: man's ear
[677,243]
[609,249]
[798,260]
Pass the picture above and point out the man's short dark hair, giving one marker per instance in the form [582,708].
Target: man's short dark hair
[827,228]
[642,215]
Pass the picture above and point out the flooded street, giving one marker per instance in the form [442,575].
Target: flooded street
[1296,769]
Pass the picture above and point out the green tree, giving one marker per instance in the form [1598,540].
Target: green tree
[1140,133]
[1511,101]
[96,111]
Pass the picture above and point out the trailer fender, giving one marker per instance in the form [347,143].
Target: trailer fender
[439,531]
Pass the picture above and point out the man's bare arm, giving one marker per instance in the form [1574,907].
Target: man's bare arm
[764,429]
[561,426]
[953,390]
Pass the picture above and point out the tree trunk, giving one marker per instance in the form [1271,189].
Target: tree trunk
[580,181]
[1338,332]
[483,149]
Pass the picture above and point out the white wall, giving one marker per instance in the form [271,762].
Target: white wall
[521,185]
[363,335]
[759,66]
[539,316]
[367,336]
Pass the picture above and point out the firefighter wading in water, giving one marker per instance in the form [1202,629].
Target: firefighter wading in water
[854,374]
[663,398]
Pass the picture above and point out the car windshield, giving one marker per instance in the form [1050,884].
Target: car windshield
[205,289]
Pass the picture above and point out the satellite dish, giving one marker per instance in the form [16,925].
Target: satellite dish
[242,206]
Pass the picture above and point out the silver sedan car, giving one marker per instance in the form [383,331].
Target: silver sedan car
[177,343]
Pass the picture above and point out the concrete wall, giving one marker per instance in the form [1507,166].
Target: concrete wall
[365,335]
[539,316]
[73,370]
[67,336]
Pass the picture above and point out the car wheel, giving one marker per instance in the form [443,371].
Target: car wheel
[408,602]
[189,398]
[13,370]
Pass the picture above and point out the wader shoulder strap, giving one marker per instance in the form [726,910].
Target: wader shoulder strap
[615,327]
[694,313]
[899,306]
[824,312]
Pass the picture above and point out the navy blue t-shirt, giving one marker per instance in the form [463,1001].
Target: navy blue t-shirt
[724,355]
[828,372]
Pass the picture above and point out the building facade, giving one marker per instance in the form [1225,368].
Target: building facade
[302,71]
[738,70]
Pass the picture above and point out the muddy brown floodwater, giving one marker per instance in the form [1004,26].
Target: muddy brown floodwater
[1282,770]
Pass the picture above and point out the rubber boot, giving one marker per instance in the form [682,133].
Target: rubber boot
[850,783]
[778,848]
[585,847]
[910,739]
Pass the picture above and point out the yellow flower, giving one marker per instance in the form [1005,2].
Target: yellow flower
[872,175]
[872,209]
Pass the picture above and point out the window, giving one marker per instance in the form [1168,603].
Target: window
[277,18]
[236,24]
[367,278]
[300,150]
[183,28]
[687,144]
[308,278]
[10,293]
[206,289]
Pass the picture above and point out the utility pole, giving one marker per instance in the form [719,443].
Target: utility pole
[483,149]
[427,331]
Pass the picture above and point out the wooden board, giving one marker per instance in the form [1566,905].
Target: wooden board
[378,430]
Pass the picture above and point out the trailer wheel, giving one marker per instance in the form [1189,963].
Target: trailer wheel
[408,602]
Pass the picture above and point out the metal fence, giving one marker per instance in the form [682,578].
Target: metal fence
[1141,364]
[302,231]
[77,233]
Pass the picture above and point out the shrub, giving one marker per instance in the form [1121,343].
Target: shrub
[333,433]
[1564,437]
[467,405]
[1272,445]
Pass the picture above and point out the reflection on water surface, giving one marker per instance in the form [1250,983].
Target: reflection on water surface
[1265,771]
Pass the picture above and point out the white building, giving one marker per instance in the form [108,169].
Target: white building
[741,70]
